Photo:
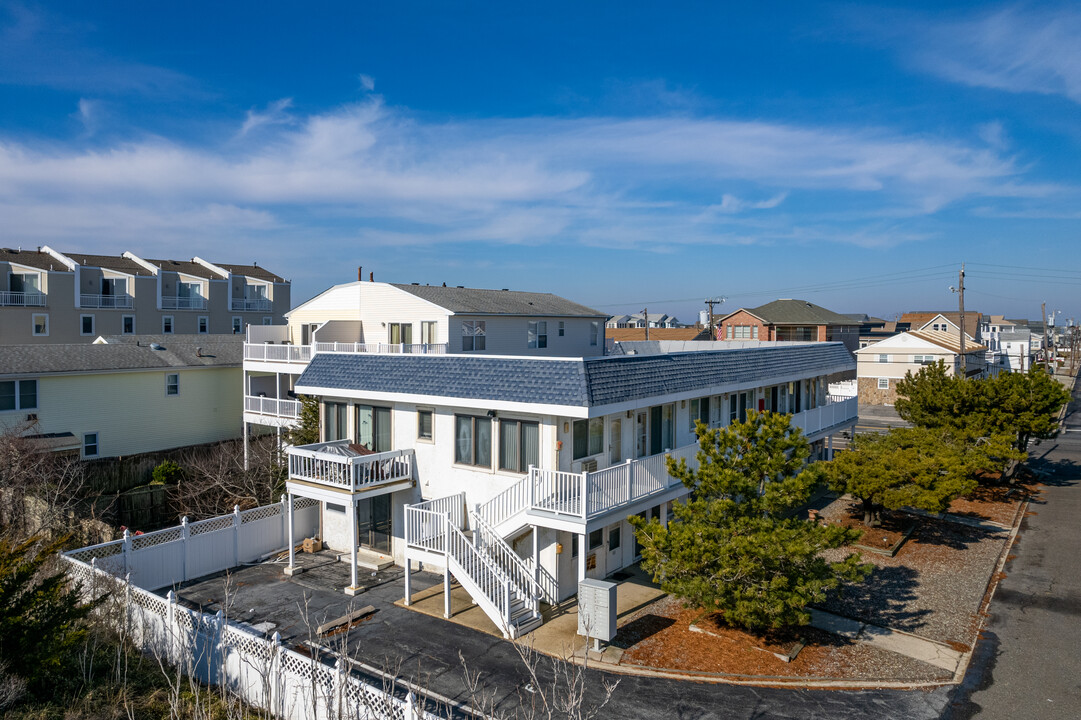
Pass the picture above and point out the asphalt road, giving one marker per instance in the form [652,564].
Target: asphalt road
[1028,664]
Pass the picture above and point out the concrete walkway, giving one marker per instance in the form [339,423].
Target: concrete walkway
[558,636]
[902,643]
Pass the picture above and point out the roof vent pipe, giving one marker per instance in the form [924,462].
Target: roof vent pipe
[371,277]
[360,273]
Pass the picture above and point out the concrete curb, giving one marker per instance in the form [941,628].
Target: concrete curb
[830,683]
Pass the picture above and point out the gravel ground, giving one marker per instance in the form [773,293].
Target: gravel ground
[932,588]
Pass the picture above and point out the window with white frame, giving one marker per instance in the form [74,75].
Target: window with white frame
[400,333]
[883,358]
[167,324]
[728,332]
[519,445]
[743,332]
[537,334]
[267,320]
[594,332]
[923,359]
[18,395]
[883,383]
[127,324]
[473,440]
[90,445]
[172,383]
[473,335]
[587,437]
[40,324]
[86,324]
[561,328]
[238,324]
[204,324]
[754,332]
[427,332]
[425,424]
[699,411]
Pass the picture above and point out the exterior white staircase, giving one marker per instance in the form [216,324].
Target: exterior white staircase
[499,582]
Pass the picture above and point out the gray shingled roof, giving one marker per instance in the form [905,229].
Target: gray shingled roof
[32,258]
[187,267]
[572,382]
[123,353]
[110,262]
[798,312]
[555,382]
[476,301]
[253,271]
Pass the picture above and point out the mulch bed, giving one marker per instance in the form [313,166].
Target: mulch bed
[660,636]
[996,503]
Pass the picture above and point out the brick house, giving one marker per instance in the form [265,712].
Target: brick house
[790,320]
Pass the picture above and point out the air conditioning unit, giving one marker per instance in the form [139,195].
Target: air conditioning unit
[585,466]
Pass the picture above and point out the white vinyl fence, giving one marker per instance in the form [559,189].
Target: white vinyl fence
[166,557]
[258,670]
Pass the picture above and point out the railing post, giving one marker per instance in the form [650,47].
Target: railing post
[532,486]
[630,478]
[506,603]
[236,535]
[127,551]
[184,546]
[585,495]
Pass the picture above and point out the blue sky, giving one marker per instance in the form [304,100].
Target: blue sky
[621,154]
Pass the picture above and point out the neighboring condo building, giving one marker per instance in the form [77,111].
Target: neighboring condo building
[51,297]
[791,321]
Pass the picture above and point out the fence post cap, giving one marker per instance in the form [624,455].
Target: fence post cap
[171,597]
[184,520]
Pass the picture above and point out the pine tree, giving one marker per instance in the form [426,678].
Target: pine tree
[736,546]
[306,431]
[908,467]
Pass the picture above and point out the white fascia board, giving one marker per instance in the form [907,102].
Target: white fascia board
[707,391]
[212,267]
[576,411]
[150,267]
[329,290]
[71,264]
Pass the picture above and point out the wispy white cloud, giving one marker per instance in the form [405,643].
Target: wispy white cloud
[276,113]
[1020,49]
[381,176]
[367,82]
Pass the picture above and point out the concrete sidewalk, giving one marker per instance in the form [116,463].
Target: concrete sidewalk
[902,643]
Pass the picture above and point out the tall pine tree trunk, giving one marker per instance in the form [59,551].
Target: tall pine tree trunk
[872,513]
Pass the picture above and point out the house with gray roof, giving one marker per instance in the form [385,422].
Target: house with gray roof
[790,320]
[50,297]
[123,395]
[535,441]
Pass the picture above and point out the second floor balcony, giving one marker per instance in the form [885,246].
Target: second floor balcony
[191,302]
[252,305]
[343,466]
[287,408]
[88,300]
[383,348]
[269,352]
[9,298]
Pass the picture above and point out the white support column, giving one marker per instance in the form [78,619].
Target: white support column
[663,518]
[446,589]
[292,569]
[536,568]
[351,518]
[582,557]
[246,449]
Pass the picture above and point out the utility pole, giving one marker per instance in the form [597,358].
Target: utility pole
[1043,312]
[645,314]
[710,302]
[960,290]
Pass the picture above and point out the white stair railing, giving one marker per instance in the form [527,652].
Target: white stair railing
[502,554]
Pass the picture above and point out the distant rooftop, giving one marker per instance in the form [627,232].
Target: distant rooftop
[45,261]
[123,352]
[795,312]
[477,301]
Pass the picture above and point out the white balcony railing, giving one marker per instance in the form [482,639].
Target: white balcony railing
[277,353]
[273,407]
[384,348]
[87,300]
[169,302]
[826,416]
[252,305]
[331,464]
[22,299]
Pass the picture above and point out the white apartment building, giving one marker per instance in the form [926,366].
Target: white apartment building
[534,442]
